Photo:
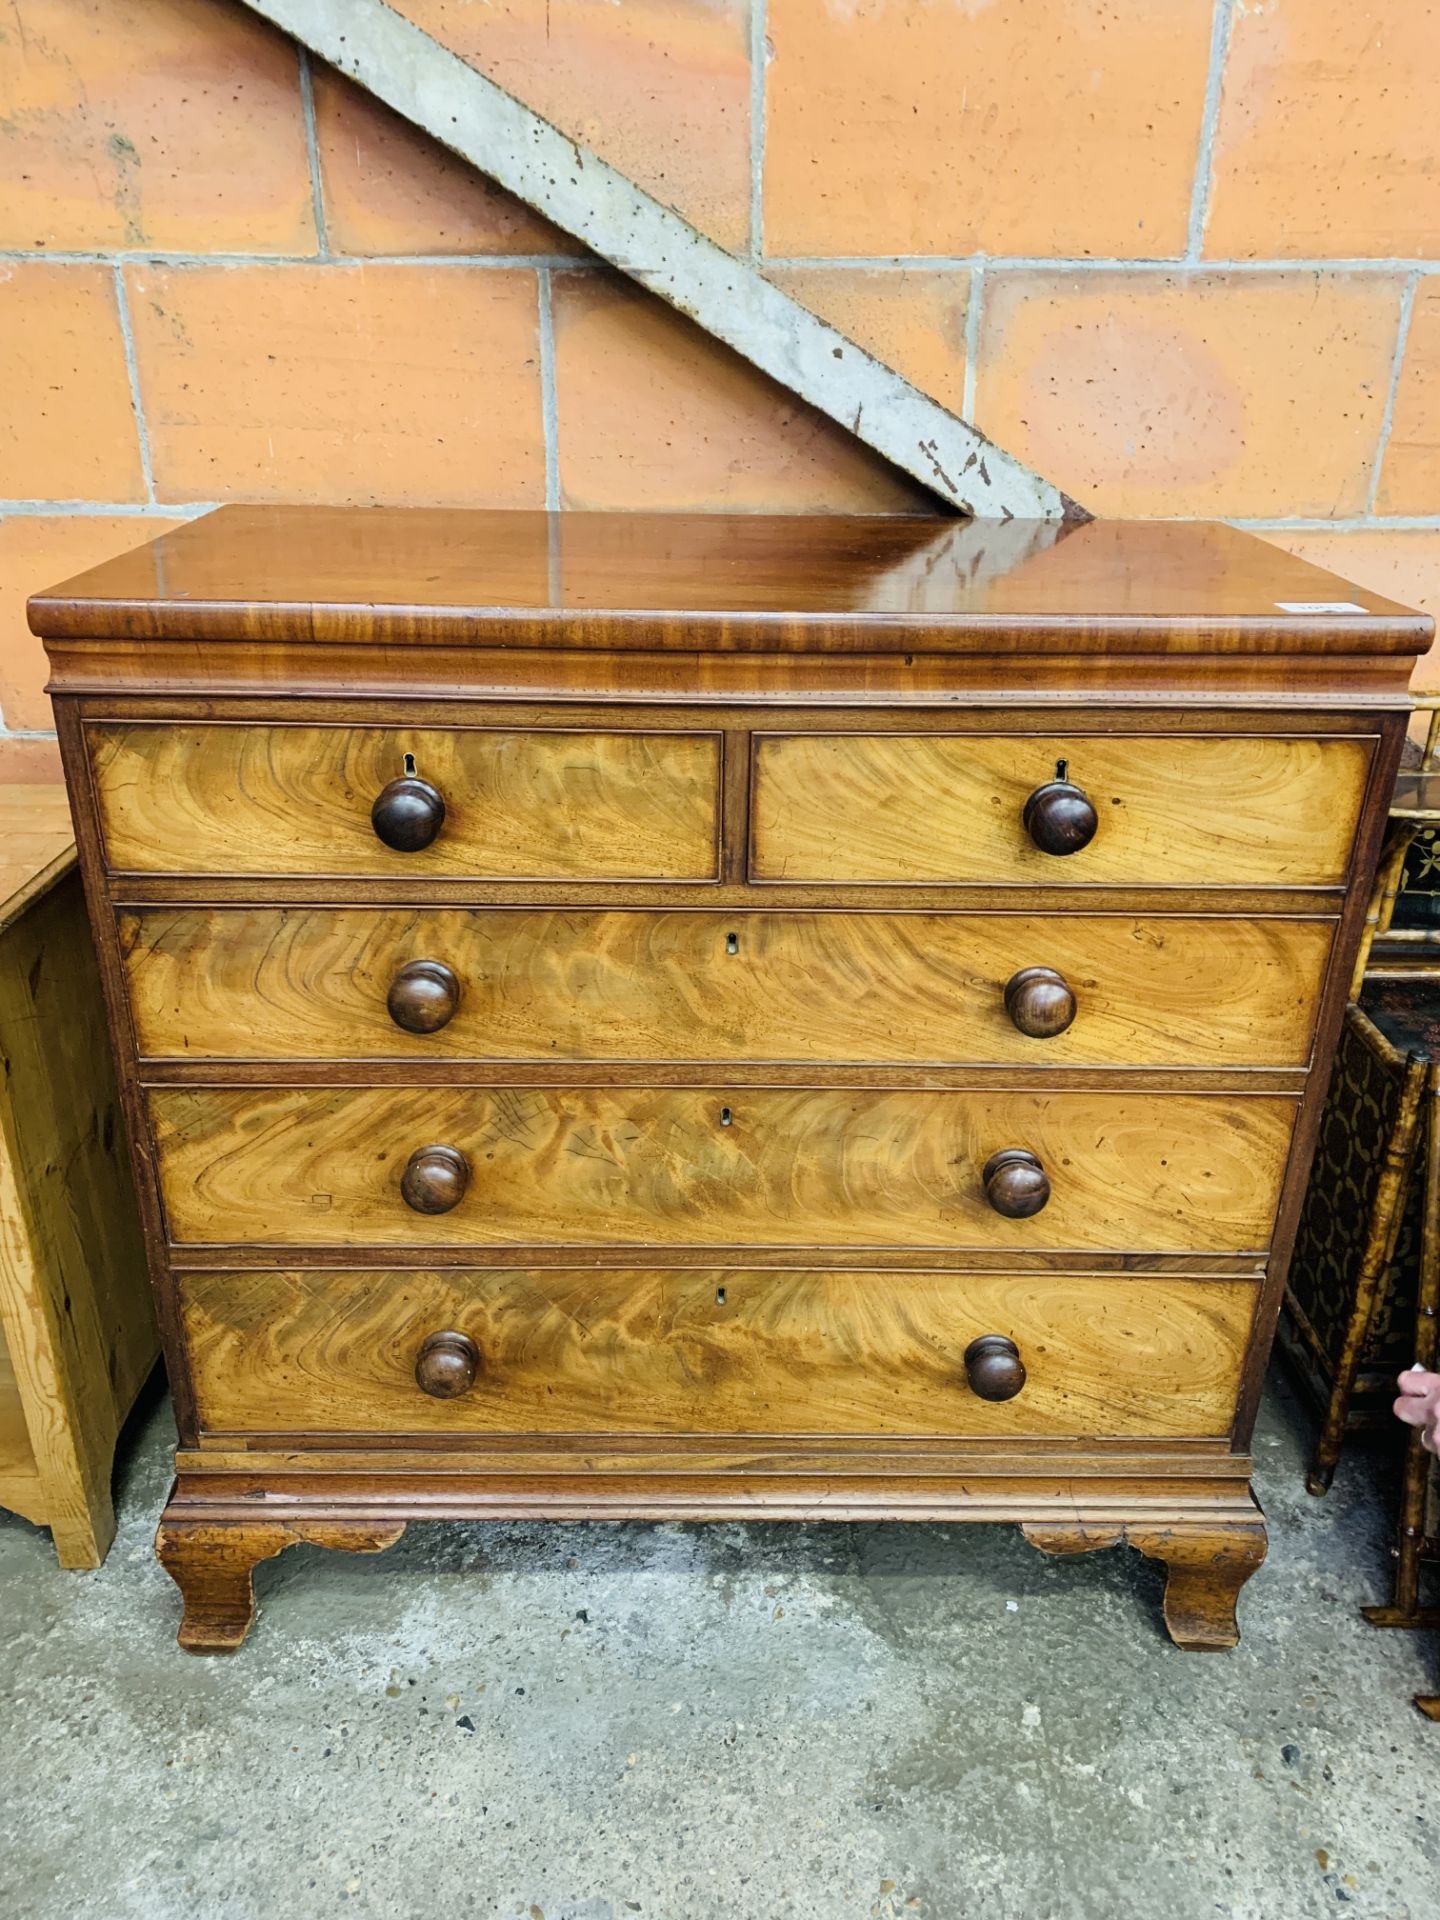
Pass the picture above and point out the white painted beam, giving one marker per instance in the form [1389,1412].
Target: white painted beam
[411,72]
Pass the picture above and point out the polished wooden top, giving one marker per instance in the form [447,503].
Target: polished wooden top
[37,844]
[705,582]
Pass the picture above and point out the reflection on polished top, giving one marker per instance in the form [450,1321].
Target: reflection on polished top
[688,582]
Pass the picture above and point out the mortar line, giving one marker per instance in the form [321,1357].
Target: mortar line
[549,404]
[106,509]
[142,431]
[192,510]
[1221,24]
[972,342]
[1256,523]
[874,263]
[1095,263]
[1387,419]
[158,257]
[759,21]
[312,152]
[1310,523]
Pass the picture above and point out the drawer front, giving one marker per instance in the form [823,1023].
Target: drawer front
[759,1167]
[1173,811]
[566,1350]
[271,983]
[519,805]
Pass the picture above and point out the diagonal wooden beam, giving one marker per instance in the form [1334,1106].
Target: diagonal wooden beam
[436,90]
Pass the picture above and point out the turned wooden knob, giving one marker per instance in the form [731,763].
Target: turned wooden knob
[1060,818]
[423,996]
[1039,1002]
[1015,1183]
[435,1179]
[994,1368]
[408,814]
[447,1364]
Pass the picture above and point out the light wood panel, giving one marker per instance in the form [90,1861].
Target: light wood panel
[1174,810]
[37,843]
[274,983]
[567,1350]
[615,1166]
[75,1301]
[520,804]
[20,1488]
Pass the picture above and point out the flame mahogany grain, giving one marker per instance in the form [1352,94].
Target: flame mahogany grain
[732,875]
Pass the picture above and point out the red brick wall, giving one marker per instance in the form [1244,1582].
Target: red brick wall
[1176,253]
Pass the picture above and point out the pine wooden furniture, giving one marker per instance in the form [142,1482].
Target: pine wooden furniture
[77,1323]
[685,1017]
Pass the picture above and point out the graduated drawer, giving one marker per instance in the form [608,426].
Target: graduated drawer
[304,983]
[753,1167]
[519,803]
[1174,809]
[710,1350]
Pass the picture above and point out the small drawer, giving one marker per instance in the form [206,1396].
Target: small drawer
[458,802]
[608,1352]
[686,1167]
[275,983]
[1174,811]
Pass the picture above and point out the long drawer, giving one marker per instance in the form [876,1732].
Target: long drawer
[274,983]
[566,1350]
[1173,810]
[542,804]
[757,1167]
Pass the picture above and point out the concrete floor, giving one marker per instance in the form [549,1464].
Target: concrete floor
[593,1722]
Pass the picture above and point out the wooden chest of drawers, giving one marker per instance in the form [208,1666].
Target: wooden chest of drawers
[630,1016]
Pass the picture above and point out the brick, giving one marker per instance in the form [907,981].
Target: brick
[899,127]
[390,383]
[1328,142]
[150,123]
[30,760]
[38,551]
[1410,475]
[658,88]
[1160,393]
[654,413]
[1398,562]
[67,425]
[388,188]
[914,321]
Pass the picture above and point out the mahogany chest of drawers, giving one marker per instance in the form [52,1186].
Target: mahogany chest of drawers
[698,1017]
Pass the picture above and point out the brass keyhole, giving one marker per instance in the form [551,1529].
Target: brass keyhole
[732,943]
[725,1116]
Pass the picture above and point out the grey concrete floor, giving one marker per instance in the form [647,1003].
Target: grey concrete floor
[593,1722]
